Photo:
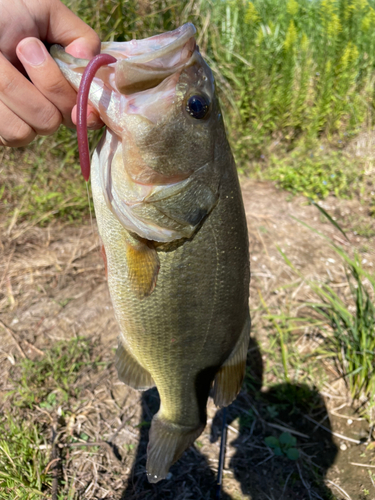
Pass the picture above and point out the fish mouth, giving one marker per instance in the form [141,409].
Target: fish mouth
[142,81]
[147,72]
[144,64]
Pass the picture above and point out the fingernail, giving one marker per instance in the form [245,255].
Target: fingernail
[33,52]
[83,49]
[92,119]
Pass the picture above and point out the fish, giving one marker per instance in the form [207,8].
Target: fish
[174,236]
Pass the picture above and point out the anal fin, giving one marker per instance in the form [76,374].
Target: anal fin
[228,380]
[130,371]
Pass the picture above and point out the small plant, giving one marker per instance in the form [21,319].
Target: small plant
[284,445]
[353,338]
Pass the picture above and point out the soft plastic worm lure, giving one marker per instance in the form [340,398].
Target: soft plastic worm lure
[82,99]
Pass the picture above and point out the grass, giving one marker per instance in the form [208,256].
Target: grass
[51,380]
[49,386]
[42,186]
[23,460]
[353,323]
[347,322]
[285,362]
[316,173]
[298,69]
[342,320]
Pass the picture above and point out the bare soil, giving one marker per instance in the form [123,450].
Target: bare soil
[53,287]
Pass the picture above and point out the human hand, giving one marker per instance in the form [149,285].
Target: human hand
[41,104]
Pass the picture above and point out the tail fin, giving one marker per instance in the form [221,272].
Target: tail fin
[167,443]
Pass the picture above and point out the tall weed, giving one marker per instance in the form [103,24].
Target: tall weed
[299,69]
[353,327]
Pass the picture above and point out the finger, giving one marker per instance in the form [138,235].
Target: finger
[25,100]
[48,79]
[93,120]
[71,32]
[80,41]
[13,131]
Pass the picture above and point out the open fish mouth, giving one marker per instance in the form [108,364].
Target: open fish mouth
[144,64]
[143,79]
[156,97]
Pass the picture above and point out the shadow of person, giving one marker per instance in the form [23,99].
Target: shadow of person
[261,474]
[291,410]
[190,478]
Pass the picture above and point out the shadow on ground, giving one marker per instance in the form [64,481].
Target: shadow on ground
[259,474]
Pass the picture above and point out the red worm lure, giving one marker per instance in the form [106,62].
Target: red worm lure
[82,98]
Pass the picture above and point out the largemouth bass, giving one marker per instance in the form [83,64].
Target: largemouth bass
[170,215]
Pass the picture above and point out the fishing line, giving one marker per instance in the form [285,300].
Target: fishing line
[223,442]
[90,210]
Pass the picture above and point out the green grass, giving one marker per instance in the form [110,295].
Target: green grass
[347,322]
[284,362]
[51,380]
[23,460]
[316,173]
[344,318]
[353,340]
[298,69]
[45,185]
[50,385]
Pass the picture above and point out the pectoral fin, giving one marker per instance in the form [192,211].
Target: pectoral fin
[143,267]
[229,378]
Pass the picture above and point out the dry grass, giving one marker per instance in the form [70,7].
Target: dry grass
[54,290]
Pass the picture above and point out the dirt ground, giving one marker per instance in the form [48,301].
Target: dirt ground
[53,287]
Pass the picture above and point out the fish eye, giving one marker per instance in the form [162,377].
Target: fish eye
[197,106]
